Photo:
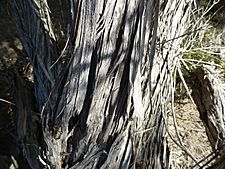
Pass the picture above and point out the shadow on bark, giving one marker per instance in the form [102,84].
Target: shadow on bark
[208,92]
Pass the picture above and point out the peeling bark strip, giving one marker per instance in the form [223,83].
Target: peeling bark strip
[105,107]
[36,33]
[209,96]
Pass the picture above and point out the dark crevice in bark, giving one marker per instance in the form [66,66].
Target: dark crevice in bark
[78,122]
[119,44]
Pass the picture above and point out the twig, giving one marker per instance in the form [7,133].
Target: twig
[144,131]
[173,108]
[203,62]
[6,101]
[203,159]
[185,84]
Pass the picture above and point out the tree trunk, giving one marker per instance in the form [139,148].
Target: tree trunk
[209,96]
[105,106]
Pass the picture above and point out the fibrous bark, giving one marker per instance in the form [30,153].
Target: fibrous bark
[209,96]
[105,106]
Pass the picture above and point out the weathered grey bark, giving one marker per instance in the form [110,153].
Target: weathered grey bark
[105,107]
[209,96]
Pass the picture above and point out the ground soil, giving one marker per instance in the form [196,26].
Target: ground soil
[192,135]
